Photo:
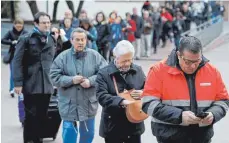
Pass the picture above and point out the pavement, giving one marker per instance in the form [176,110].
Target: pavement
[217,54]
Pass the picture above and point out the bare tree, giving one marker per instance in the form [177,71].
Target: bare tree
[33,7]
[79,8]
[55,10]
[70,6]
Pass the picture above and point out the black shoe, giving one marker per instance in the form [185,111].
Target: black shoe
[154,52]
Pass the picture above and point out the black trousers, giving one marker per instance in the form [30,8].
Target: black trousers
[130,139]
[36,106]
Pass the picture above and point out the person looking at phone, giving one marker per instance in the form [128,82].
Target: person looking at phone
[185,95]
[74,72]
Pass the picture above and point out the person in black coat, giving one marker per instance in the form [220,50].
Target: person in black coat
[31,65]
[103,30]
[187,16]
[114,125]
[11,39]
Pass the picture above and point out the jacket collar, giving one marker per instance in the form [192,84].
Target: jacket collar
[172,62]
[113,70]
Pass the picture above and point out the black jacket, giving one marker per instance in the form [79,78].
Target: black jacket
[178,27]
[10,36]
[103,31]
[114,123]
[32,62]
[188,19]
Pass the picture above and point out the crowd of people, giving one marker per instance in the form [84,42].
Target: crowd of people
[81,58]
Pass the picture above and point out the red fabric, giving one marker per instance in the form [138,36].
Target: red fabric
[169,83]
[168,16]
[130,34]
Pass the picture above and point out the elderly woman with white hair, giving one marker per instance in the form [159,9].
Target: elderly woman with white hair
[114,125]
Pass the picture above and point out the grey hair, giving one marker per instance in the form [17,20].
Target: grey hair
[78,30]
[191,44]
[123,47]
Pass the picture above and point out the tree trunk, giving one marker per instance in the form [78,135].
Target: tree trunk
[55,10]
[33,7]
[70,5]
[79,8]
[12,10]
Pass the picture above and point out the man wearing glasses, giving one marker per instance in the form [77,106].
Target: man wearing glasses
[185,95]
[31,64]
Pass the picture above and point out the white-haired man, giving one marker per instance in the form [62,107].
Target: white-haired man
[114,126]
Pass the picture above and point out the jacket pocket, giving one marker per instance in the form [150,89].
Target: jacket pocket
[93,106]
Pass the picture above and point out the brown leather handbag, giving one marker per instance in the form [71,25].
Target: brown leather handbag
[134,111]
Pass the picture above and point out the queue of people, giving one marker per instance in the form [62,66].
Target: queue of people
[76,60]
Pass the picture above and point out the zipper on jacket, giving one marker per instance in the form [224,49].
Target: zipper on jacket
[192,92]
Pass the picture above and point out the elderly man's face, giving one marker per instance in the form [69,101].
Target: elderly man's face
[124,62]
[188,61]
[79,41]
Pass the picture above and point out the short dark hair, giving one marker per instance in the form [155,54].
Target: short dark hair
[104,17]
[38,15]
[78,30]
[191,44]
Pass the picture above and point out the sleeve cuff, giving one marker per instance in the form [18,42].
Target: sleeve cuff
[117,101]
[92,81]
[18,83]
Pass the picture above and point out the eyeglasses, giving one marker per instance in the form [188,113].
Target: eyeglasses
[190,62]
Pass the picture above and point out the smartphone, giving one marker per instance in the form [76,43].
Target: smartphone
[202,115]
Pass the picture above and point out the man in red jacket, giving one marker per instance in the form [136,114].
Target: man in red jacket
[130,28]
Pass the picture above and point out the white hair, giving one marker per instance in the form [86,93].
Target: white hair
[123,47]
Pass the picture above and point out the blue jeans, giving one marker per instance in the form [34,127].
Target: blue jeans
[11,77]
[86,130]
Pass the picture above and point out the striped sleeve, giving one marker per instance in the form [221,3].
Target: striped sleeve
[220,106]
[152,104]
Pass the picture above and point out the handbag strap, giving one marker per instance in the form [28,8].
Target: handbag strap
[115,84]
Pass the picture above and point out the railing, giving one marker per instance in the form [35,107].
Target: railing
[207,31]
